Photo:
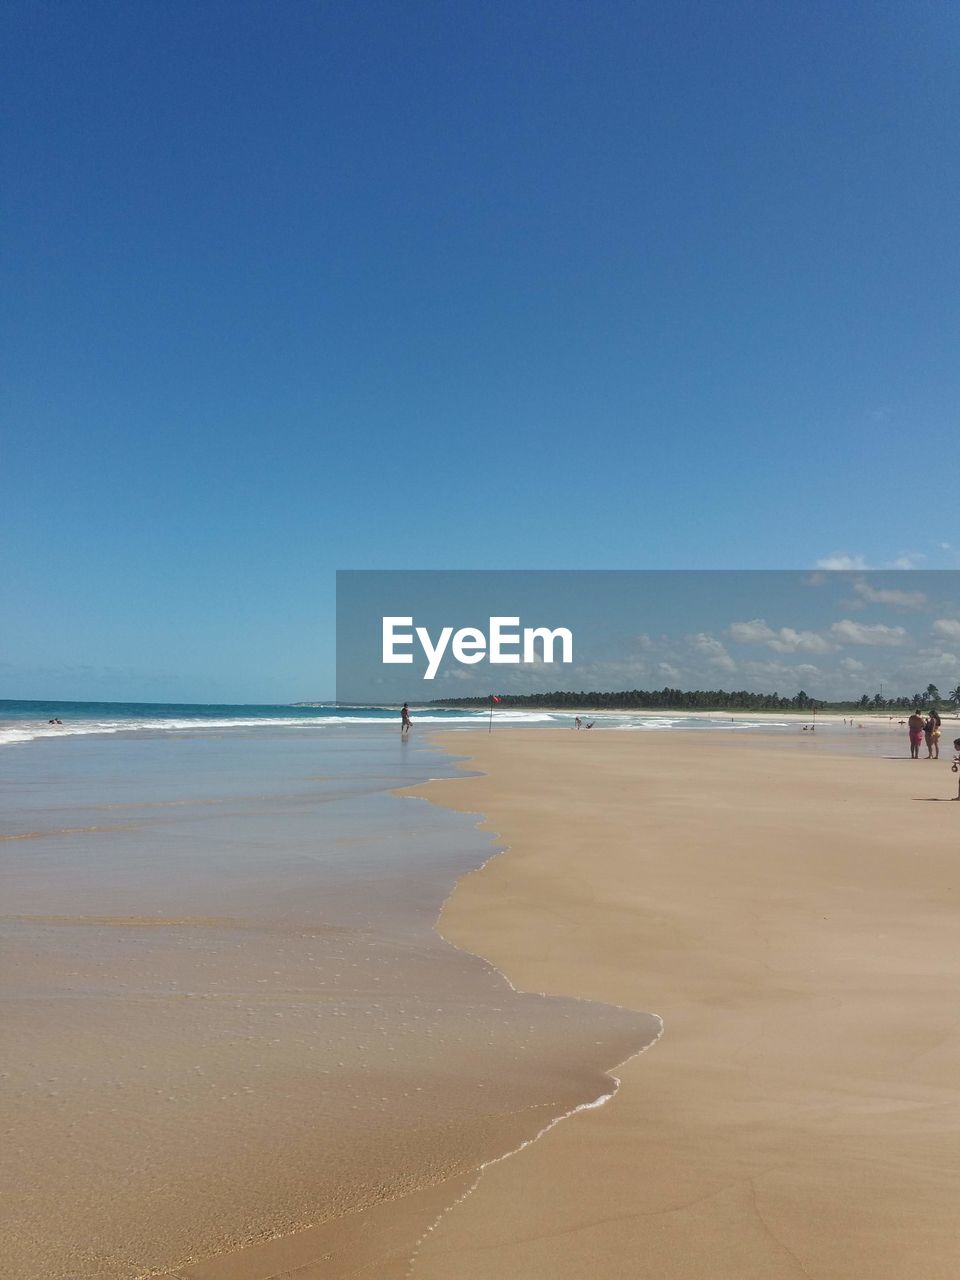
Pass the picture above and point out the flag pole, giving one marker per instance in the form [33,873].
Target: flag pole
[490,730]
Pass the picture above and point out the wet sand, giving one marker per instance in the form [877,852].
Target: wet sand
[235,1044]
[791,911]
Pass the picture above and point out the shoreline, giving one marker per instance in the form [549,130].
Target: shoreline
[602,1100]
[791,714]
[382,1238]
[777,1130]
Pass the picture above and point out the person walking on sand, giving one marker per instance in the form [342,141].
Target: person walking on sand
[915,727]
[404,720]
[931,732]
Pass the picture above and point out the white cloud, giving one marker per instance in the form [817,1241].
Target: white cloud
[787,678]
[841,560]
[848,632]
[786,640]
[627,673]
[883,595]
[949,628]
[852,665]
[667,671]
[756,631]
[946,659]
[908,561]
[789,641]
[768,667]
[921,666]
[712,649]
[844,561]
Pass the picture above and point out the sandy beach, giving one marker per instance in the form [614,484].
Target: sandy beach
[791,914]
[786,904]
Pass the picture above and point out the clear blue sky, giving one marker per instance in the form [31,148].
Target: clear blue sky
[292,287]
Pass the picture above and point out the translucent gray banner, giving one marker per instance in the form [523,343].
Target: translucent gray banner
[436,635]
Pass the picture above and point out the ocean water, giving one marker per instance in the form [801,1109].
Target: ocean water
[27,721]
[228,1014]
[22,722]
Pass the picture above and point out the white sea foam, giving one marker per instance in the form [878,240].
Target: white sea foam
[30,730]
[758,724]
[21,731]
[487,1164]
[650,722]
[646,723]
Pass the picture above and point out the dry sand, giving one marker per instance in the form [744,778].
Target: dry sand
[792,914]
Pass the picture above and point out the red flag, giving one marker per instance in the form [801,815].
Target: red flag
[494,698]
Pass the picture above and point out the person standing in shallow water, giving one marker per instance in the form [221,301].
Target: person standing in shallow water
[405,721]
[931,731]
[915,729]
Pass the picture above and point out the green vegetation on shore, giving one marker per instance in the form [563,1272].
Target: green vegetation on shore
[703,700]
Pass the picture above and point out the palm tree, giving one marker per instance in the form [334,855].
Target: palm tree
[932,694]
[954,696]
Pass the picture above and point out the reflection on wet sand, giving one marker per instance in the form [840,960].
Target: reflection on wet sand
[232,1025]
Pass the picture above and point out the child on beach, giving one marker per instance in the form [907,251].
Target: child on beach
[956,764]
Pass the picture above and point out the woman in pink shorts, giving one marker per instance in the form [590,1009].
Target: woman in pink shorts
[915,726]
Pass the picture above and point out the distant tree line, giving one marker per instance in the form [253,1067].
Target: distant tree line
[702,700]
